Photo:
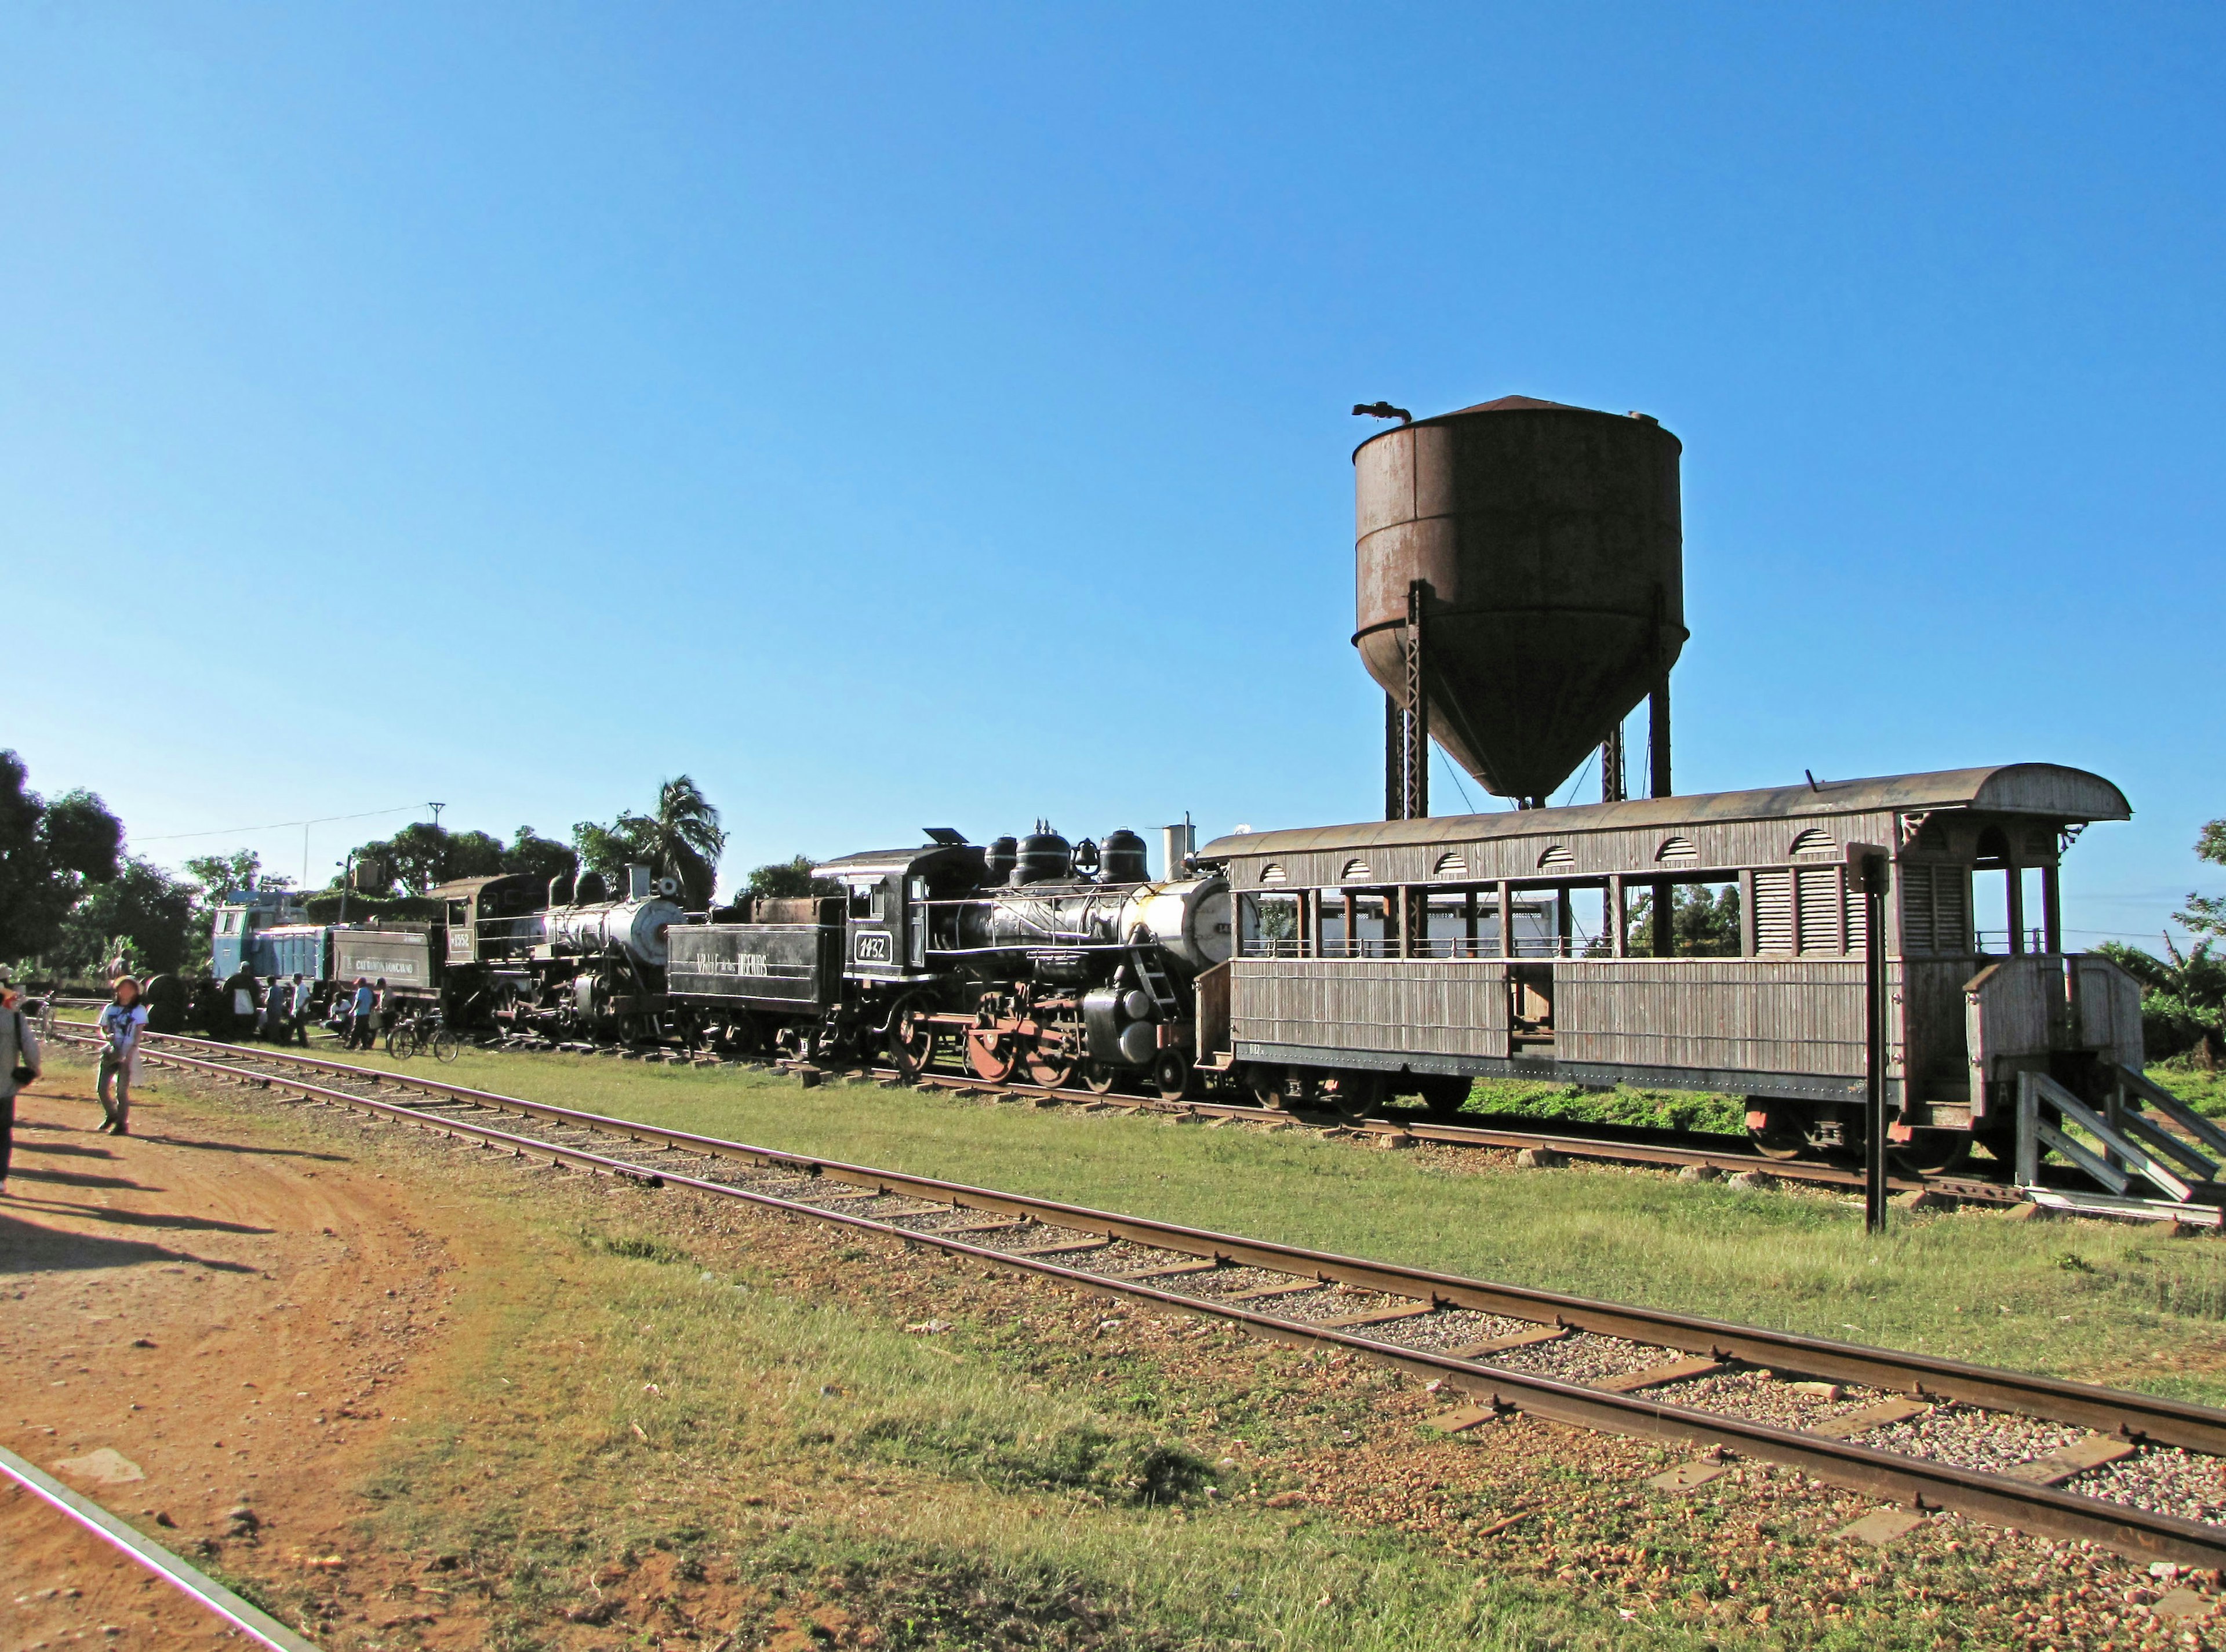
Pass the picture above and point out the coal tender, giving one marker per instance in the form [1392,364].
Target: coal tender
[1028,958]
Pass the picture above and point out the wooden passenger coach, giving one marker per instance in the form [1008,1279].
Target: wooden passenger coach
[1436,949]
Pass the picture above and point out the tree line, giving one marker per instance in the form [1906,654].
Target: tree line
[71,898]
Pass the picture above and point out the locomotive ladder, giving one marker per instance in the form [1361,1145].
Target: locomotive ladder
[2131,1146]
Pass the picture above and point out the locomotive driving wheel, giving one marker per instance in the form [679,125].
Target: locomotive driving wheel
[1100,1077]
[911,1039]
[990,1053]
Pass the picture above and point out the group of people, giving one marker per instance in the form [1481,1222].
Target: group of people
[243,1006]
[281,1010]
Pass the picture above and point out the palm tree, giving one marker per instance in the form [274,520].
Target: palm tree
[681,839]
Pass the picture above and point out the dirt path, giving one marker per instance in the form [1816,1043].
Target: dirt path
[196,1325]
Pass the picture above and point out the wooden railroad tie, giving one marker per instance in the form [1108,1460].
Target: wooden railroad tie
[1677,1370]
[1378,1316]
[1870,1417]
[2090,1452]
[1529,1338]
[1294,1288]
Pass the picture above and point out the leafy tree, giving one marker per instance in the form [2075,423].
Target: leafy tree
[2183,999]
[48,853]
[218,876]
[539,858]
[1705,921]
[423,854]
[791,880]
[681,839]
[157,918]
[608,851]
[2206,914]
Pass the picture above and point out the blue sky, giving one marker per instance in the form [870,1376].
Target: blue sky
[936,415]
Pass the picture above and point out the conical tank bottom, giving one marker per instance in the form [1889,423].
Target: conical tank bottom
[1551,541]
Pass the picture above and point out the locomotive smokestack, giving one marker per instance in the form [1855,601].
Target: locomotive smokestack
[1178,844]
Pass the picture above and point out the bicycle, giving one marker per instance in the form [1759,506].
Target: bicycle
[424,1033]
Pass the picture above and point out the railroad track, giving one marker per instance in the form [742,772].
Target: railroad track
[1620,1147]
[1505,1349]
[1608,1144]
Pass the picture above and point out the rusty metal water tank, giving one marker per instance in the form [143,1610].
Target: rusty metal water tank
[1552,542]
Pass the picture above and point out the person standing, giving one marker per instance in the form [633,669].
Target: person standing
[298,1032]
[277,1009]
[19,1064]
[363,1022]
[244,995]
[120,1025]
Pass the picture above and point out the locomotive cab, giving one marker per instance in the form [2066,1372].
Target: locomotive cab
[892,906]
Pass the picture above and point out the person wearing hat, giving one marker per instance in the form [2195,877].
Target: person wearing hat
[19,1064]
[120,1025]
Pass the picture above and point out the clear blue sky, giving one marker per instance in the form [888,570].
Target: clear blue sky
[899,415]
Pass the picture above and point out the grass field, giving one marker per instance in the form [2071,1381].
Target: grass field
[2103,1302]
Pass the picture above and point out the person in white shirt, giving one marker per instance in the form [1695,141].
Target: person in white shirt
[19,1064]
[120,1026]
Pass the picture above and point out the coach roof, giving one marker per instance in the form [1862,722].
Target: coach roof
[2046,791]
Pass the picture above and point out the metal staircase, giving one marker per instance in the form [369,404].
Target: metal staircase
[2135,1149]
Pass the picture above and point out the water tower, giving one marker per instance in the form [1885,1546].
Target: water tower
[1522,588]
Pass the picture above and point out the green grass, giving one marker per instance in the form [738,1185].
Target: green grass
[645,1408]
[2204,1091]
[1659,1109]
[2097,1301]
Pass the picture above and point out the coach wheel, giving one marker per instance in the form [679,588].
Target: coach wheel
[1355,1093]
[1266,1082]
[1932,1153]
[1444,1094]
[742,1038]
[1773,1131]
[1173,1076]
[1099,1077]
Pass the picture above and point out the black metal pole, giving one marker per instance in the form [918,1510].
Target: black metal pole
[1418,704]
[1870,871]
[1394,759]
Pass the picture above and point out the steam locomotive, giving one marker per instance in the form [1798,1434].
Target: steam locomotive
[514,955]
[1033,956]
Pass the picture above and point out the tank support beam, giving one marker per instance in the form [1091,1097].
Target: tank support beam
[1407,729]
[1657,763]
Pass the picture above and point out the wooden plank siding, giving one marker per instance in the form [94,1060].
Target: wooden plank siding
[1928,994]
[1452,1006]
[1727,1014]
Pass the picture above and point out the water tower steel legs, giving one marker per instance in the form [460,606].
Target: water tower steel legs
[1657,763]
[1407,730]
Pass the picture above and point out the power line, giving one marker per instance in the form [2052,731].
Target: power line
[280,825]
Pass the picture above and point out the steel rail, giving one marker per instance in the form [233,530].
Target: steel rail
[2146,1418]
[1924,1483]
[1610,1148]
[1921,1483]
[195,1584]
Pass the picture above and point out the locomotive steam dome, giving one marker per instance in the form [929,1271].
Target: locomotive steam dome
[1552,541]
[1122,858]
[1044,857]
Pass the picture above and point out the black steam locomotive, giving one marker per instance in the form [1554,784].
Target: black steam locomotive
[1033,957]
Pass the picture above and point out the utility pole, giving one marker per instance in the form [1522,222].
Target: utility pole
[1866,870]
